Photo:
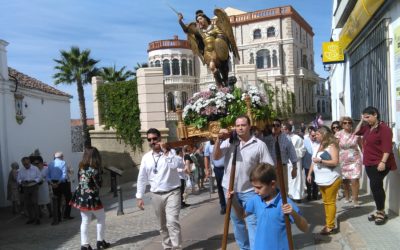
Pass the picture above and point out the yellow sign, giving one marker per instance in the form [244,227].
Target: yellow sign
[332,52]
[359,17]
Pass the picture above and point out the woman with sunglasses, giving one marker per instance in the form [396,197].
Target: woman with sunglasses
[350,159]
[326,169]
[335,127]
[378,157]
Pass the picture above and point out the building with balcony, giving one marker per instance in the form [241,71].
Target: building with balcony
[322,98]
[275,47]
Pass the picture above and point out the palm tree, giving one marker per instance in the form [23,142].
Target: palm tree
[111,74]
[76,66]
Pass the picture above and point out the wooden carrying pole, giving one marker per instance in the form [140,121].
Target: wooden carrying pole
[279,170]
[229,201]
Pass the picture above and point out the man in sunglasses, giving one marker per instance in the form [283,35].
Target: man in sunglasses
[288,152]
[159,168]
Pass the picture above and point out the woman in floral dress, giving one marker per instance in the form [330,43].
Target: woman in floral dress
[350,159]
[86,197]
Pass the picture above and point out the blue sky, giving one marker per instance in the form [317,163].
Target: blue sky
[117,31]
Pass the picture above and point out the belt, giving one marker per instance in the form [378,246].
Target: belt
[166,192]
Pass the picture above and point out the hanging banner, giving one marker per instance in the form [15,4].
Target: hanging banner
[359,17]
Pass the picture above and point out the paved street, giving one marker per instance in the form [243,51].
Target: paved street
[202,227]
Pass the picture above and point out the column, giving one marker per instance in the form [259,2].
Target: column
[152,100]
[96,82]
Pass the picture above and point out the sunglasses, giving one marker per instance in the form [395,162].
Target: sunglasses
[335,127]
[152,139]
[276,125]
[347,123]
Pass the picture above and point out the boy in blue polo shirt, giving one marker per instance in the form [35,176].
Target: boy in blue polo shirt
[268,208]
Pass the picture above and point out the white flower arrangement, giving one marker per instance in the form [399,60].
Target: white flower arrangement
[210,102]
[222,104]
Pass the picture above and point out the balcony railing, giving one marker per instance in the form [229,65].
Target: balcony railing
[166,44]
[179,79]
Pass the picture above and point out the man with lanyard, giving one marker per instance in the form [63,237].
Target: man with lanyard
[29,177]
[250,151]
[218,171]
[57,176]
[159,168]
[288,152]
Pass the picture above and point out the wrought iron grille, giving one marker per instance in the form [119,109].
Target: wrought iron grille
[369,72]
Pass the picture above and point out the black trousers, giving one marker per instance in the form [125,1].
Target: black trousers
[219,173]
[64,188]
[182,189]
[376,183]
[312,188]
[31,202]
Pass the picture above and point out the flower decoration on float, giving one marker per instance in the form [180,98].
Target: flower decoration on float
[223,105]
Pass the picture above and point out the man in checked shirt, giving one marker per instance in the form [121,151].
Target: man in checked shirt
[159,168]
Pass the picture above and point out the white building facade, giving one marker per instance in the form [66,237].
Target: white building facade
[275,47]
[322,96]
[370,74]
[33,115]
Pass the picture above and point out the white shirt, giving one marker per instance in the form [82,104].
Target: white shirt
[30,174]
[160,171]
[325,175]
[249,155]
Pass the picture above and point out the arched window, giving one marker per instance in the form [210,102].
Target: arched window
[190,68]
[323,106]
[151,64]
[175,67]
[257,34]
[274,59]
[263,59]
[157,63]
[271,32]
[184,67]
[166,67]
[184,99]
[318,106]
[171,102]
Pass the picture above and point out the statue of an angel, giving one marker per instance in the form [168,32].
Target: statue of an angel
[212,42]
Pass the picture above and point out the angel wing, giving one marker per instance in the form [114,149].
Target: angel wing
[195,43]
[224,24]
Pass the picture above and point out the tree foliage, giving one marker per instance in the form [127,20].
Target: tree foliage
[119,109]
[112,74]
[76,66]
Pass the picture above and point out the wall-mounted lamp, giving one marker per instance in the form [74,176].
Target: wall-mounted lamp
[26,105]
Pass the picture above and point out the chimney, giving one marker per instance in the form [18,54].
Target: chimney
[3,60]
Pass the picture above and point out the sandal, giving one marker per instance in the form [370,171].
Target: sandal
[380,218]
[327,231]
[372,217]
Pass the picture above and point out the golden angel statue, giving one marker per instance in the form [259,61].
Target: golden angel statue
[212,41]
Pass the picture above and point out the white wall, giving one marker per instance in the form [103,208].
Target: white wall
[46,127]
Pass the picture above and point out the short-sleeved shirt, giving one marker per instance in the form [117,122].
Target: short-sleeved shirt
[376,142]
[208,152]
[249,155]
[271,228]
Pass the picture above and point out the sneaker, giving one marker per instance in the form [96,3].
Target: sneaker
[223,211]
[356,205]
[347,201]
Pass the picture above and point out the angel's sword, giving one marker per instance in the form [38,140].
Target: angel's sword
[172,8]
